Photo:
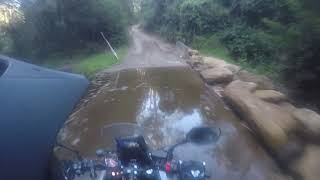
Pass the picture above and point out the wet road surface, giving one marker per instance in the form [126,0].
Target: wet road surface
[168,99]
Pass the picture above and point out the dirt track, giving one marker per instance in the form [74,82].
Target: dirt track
[148,51]
[154,88]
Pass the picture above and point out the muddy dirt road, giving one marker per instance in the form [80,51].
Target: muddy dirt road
[156,89]
[147,51]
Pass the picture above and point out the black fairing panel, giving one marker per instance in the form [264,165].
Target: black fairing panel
[34,104]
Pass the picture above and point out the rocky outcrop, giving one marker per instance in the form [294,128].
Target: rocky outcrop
[310,122]
[211,62]
[195,61]
[287,106]
[217,75]
[262,81]
[193,52]
[278,123]
[197,58]
[212,70]
[271,122]
[271,96]
[307,166]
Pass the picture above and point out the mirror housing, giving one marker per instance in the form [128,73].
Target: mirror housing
[198,135]
[202,135]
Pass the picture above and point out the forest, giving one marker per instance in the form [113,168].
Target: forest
[276,38]
[57,32]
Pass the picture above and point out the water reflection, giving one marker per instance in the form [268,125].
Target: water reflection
[149,107]
[165,128]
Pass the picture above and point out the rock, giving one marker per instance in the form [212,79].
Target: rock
[244,86]
[218,90]
[262,81]
[218,63]
[271,96]
[200,67]
[217,75]
[234,68]
[309,120]
[307,166]
[197,58]
[287,106]
[193,63]
[193,52]
[213,62]
[270,121]
[290,151]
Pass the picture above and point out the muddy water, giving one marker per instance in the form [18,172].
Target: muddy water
[169,102]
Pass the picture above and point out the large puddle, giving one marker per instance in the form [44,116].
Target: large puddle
[169,102]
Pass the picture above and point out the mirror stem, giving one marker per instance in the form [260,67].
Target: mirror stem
[171,149]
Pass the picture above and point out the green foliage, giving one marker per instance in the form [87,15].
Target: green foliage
[5,43]
[2,42]
[247,43]
[94,63]
[65,27]
[87,64]
[275,37]
[183,19]
[211,45]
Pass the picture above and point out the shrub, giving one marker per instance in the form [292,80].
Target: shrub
[247,43]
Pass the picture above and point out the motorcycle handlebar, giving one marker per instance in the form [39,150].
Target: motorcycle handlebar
[80,168]
[133,171]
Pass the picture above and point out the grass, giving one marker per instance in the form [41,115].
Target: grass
[87,65]
[209,45]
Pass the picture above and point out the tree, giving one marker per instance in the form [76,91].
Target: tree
[281,36]
[63,27]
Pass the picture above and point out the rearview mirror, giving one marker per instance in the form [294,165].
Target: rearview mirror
[202,135]
[197,135]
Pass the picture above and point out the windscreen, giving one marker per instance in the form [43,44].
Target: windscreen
[121,130]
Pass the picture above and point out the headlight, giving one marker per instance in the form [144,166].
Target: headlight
[149,171]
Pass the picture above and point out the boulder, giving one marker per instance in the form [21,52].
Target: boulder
[262,81]
[287,106]
[271,96]
[197,58]
[309,120]
[213,62]
[270,121]
[200,67]
[234,68]
[307,166]
[192,52]
[218,63]
[217,75]
[195,61]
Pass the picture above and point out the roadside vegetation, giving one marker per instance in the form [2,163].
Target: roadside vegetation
[58,33]
[88,65]
[277,38]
